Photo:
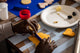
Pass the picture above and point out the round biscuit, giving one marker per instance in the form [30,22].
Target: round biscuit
[25,1]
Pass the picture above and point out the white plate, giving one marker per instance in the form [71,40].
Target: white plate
[49,15]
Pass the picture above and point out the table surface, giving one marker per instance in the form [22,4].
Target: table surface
[26,46]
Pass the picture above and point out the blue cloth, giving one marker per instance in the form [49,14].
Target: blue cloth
[33,7]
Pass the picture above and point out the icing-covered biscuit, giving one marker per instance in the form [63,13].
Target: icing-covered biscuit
[25,1]
[43,5]
[69,32]
[49,1]
[35,40]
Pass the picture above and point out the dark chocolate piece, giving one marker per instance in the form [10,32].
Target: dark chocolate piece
[74,14]
[69,17]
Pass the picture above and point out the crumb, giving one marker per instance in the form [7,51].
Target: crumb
[58,13]
[55,22]
[58,8]
[27,7]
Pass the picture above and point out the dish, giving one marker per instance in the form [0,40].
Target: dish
[49,15]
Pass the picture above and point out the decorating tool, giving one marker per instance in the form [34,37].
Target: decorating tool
[36,35]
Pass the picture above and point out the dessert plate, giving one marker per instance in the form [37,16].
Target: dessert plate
[60,16]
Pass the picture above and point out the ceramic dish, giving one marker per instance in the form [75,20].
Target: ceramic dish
[59,19]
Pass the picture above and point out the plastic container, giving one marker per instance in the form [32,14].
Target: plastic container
[3,11]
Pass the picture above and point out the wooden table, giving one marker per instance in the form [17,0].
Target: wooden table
[21,43]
